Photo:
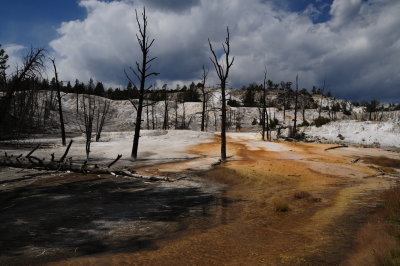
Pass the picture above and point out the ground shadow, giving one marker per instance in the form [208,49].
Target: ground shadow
[90,215]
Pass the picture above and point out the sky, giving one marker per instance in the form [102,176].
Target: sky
[354,45]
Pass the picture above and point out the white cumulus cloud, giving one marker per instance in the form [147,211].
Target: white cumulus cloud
[357,51]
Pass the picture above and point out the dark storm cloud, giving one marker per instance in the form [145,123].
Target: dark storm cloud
[174,5]
[357,51]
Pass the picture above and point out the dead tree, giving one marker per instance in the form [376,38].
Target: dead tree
[183,115]
[264,117]
[320,102]
[88,106]
[147,115]
[176,107]
[166,115]
[33,66]
[215,112]
[238,120]
[204,96]
[304,103]
[141,73]
[295,106]
[222,73]
[33,162]
[102,114]
[60,111]
[284,98]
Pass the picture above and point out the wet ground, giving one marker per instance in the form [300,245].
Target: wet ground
[278,204]
[49,216]
[319,227]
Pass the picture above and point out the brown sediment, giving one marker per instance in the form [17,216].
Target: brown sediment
[377,241]
[316,230]
[382,161]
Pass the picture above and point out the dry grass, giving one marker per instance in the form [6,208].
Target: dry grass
[378,240]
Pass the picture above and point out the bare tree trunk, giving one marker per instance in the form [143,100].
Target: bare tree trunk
[295,106]
[102,112]
[152,117]
[204,94]
[166,115]
[141,74]
[320,103]
[223,73]
[183,115]
[264,105]
[268,129]
[207,117]
[77,103]
[304,103]
[147,115]
[88,109]
[284,106]
[215,120]
[60,112]
[176,114]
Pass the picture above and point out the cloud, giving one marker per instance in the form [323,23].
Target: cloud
[343,11]
[14,56]
[312,12]
[356,51]
[171,5]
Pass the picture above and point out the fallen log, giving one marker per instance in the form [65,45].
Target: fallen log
[36,163]
[33,162]
[65,153]
[116,160]
[336,147]
[32,151]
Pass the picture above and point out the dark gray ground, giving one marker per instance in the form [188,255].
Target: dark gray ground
[46,216]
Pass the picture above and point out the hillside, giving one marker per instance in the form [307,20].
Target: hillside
[354,127]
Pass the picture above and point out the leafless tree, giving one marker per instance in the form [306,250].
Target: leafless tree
[176,107]
[295,105]
[141,73]
[304,102]
[264,117]
[88,107]
[215,113]
[284,98]
[153,116]
[166,114]
[103,109]
[238,120]
[222,73]
[320,102]
[60,111]
[204,97]
[33,66]
[183,115]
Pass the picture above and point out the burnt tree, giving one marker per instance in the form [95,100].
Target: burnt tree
[320,102]
[166,114]
[222,72]
[103,109]
[204,95]
[3,67]
[141,73]
[33,66]
[295,106]
[88,106]
[60,112]
[264,117]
